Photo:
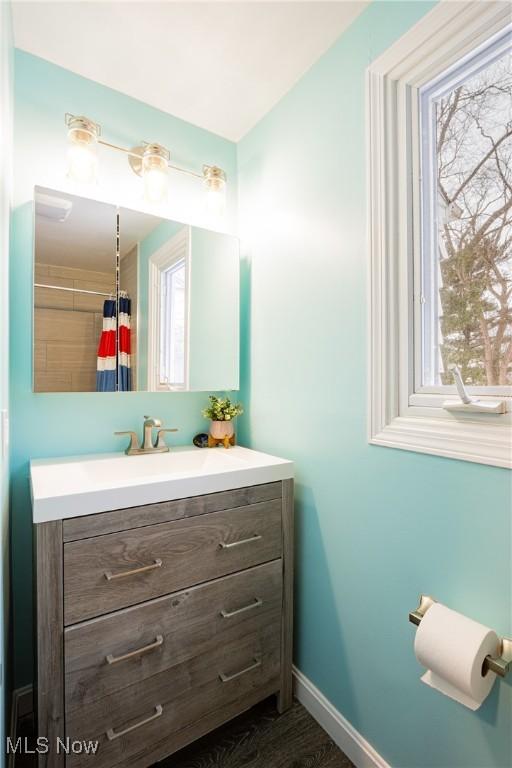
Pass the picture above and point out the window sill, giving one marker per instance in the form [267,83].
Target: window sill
[437,401]
[465,439]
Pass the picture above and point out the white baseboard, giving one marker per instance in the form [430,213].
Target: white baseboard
[350,741]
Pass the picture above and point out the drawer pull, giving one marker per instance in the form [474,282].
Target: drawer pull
[227,678]
[111,734]
[223,544]
[110,659]
[258,602]
[110,576]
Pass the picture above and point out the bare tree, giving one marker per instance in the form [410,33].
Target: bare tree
[474,156]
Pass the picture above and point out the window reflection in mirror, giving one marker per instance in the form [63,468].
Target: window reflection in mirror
[172,324]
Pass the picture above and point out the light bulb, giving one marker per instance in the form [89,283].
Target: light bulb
[82,163]
[82,150]
[216,202]
[215,182]
[155,173]
[155,185]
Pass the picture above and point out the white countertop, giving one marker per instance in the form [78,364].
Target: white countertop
[83,485]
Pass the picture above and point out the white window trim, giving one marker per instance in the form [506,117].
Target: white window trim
[169,253]
[398,418]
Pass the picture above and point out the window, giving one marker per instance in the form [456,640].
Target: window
[172,325]
[466,187]
[440,211]
[168,314]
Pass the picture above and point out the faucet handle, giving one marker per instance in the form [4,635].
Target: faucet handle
[134,441]
[160,440]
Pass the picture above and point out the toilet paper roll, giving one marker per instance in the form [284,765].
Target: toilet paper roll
[453,648]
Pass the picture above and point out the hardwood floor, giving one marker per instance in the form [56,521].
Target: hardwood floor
[260,738]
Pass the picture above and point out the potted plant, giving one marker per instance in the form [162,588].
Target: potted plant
[222,413]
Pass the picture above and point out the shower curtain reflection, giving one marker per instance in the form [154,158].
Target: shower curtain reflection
[106,365]
[113,371]
[125,374]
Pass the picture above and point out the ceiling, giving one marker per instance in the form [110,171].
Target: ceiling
[87,237]
[219,65]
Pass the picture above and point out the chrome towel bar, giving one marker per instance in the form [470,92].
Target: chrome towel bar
[501,664]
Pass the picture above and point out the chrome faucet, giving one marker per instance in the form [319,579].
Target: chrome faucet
[148,446]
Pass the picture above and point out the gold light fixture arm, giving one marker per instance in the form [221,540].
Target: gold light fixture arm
[185,170]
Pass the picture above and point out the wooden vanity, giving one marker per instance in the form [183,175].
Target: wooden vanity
[158,623]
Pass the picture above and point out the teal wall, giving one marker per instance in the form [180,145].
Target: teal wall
[375,526]
[58,424]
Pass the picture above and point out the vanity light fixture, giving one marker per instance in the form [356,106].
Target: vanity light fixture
[151,161]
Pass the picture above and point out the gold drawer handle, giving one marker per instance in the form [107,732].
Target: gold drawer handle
[258,602]
[227,678]
[111,576]
[110,659]
[223,544]
[111,734]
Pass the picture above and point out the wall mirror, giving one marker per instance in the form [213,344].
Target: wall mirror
[127,301]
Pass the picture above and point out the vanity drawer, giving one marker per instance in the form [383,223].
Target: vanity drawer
[145,721]
[106,573]
[101,655]
[166,511]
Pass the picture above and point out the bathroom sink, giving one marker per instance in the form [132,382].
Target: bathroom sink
[83,485]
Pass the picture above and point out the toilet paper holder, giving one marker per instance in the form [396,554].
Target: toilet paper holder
[501,664]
